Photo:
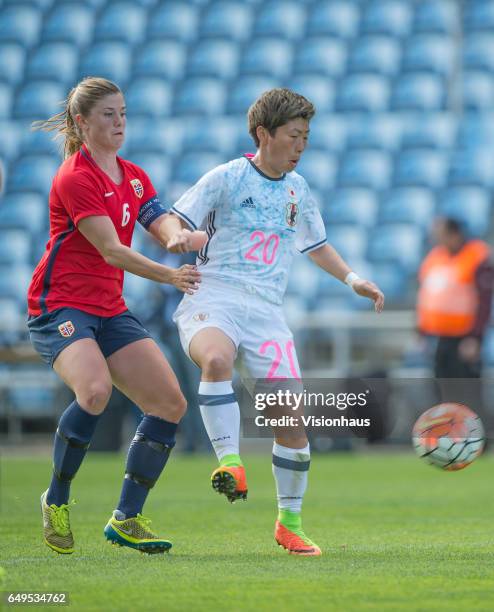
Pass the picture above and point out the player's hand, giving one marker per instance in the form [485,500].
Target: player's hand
[180,242]
[469,349]
[186,278]
[369,290]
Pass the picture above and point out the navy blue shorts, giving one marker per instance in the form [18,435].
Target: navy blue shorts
[52,332]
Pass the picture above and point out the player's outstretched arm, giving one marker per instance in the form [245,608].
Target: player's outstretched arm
[327,258]
[101,233]
[174,234]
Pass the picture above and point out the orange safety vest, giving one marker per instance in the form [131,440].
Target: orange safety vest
[447,299]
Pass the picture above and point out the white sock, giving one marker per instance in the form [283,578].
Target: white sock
[290,471]
[221,416]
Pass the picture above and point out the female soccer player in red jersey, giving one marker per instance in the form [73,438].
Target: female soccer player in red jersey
[78,320]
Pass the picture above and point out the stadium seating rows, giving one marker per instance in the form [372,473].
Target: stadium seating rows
[389,148]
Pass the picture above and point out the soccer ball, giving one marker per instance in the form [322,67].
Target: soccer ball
[449,435]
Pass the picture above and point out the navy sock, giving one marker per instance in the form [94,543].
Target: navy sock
[148,454]
[75,430]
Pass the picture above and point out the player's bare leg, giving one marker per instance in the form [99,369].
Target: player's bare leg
[214,352]
[141,371]
[83,368]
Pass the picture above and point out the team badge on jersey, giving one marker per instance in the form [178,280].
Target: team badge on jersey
[201,316]
[138,188]
[66,329]
[292,213]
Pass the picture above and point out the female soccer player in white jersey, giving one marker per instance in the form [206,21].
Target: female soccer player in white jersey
[256,211]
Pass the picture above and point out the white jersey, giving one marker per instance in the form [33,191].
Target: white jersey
[254,224]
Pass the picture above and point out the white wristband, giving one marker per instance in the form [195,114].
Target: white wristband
[350,278]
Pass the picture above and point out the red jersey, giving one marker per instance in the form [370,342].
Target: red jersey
[72,273]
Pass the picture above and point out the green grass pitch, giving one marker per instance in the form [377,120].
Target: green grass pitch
[396,535]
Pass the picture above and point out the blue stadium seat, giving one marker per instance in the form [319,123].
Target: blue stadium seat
[192,166]
[38,142]
[32,400]
[10,323]
[436,16]
[380,54]
[214,58]
[418,92]
[137,290]
[154,135]
[269,57]
[328,133]
[37,4]
[173,20]
[10,140]
[383,132]
[390,17]
[226,20]
[434,130]
[318,169]
[150,97]
[283,19]
[161,58]
[69,23]
[350,240]
[351,206]
[110,60]
[478,52]
[122,21]
[32,173]
[20,24]
[362,93]
[472,167]
[488,348]
[5,101]
[217,135]
[157,167]
[23,211]
[15,247]
[479,16]
[361,168]
[39,100]
[396,243]
[337,18]
[421,168]
[244,92]
[429,53]
[318,90]
[12,59]
[201,96]
[14,282]
[478,91]
[303,279]
[414,205]
[55,61]
[391,281]
[321,56]
[475,130]
[470,205]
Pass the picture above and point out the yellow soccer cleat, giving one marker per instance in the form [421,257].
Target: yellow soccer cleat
[135,533]
[56,527]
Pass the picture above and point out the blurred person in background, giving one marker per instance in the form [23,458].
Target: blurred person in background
[454,299]
[79,322]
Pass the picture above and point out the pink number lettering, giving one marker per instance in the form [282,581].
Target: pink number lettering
[271,243]
[250,253]
[291,360]
[276,361]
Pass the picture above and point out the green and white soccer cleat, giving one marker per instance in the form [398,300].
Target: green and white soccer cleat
[56,527]
[135,533]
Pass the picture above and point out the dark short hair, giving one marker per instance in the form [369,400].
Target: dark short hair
[275,108]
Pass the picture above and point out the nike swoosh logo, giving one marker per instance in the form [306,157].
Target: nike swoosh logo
[110,193]
[126,531]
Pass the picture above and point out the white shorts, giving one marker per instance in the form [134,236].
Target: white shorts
[257,328]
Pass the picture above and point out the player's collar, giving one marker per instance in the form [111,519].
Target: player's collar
[249,157]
